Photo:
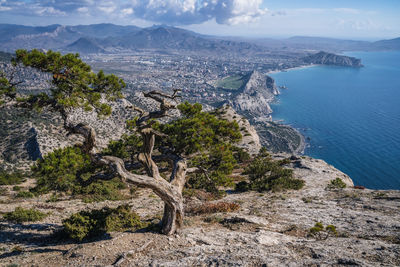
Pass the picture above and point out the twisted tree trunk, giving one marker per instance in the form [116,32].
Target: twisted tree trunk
[170,192]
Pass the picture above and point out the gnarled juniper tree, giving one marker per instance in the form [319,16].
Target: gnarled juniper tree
[75,85]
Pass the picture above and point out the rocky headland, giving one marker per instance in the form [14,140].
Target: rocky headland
[253,101]
[254,97]
[324,58]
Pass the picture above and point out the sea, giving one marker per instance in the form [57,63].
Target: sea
[350,117]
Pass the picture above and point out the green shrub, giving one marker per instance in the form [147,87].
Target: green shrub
[20,215]
[241,155]
[93,223]
[217,164]
[25,194]
[58,170]
[266,174]
[69,170]
[7,178]
[16,188]
[336,184]
[242,186]
[102,190]
[320,232]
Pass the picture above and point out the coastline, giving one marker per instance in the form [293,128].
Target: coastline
[293,68]
[302,146]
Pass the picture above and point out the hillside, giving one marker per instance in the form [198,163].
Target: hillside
[86,46]
[268,229]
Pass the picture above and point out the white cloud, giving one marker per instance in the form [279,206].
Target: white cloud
[180,12]
[83,10]
[127,11]
[49,11]
[198,11]
[347,10]
[4,8]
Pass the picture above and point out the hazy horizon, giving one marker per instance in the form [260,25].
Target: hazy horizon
[351,19]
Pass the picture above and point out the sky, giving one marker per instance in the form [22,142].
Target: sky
[350,19]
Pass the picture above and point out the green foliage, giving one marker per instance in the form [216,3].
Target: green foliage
[336,184]
[87,224]
[58,170]
[20,215]
[266,174]
[210,138]
[7,178]
[198,131]
[232,82]
[320,232]
[241,155]
[242,186]
[125,148]
[75,83]
[6,88]
[217,164]
[69,170]
[101,190]
[25,194]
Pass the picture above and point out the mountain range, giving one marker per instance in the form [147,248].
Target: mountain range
[110,38]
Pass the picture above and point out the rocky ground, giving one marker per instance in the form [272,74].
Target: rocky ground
[270,229]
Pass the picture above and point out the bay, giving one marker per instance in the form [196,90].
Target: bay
[350,117]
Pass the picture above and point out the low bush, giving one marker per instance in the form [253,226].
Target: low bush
[7,178]
[266,174]
[20,215]
[25,194]
[320,232]
[69,170]
[336,184]
[208,208]
[93,223]
[241,155]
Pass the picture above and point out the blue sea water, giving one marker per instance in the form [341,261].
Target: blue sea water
[350,117]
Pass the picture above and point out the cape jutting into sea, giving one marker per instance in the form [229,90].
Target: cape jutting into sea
[350,117]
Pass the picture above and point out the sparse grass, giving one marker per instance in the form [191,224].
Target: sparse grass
[209,208]
[20,215]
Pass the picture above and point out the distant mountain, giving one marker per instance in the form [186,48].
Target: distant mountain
[99,38]
[104,30]
[164,37]
[326,44]
[325,58]
[85,45]
[392,44]
[56,36]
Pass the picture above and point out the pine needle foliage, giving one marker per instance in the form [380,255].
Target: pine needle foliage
[266,174]
[74,83]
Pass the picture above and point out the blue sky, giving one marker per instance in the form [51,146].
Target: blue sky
[352,19]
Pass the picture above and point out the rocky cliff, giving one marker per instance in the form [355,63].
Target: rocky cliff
[254,97]
[269,229]
[26,135]
[325,58]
